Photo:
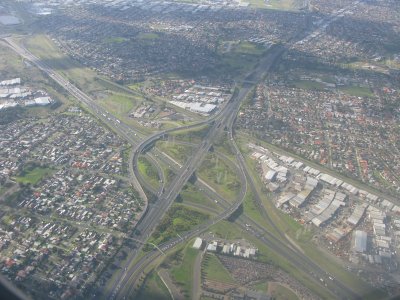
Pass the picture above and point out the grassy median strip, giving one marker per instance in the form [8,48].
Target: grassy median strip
[179,152]
[218,174]
[192,135]
[251,210]
[149,172]
[190,194]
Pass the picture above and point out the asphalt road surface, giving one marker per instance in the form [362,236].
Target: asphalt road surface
[225,119]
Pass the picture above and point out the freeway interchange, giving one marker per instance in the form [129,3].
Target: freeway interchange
[223,121]
[226,118]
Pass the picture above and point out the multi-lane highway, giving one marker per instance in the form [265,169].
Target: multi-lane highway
[221,121]
[218,124]
[153,216]
[227,119]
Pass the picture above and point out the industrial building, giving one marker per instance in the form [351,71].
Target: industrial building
[198,243]
[198,107]
[360,241]
[357,214]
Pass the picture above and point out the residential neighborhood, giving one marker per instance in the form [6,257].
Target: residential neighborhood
[78,215]
[198,149]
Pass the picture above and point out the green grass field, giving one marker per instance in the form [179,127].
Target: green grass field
[280,292]
[261,286]
[178,219]
[44,48]
[153,288]
[248,48]
[222,145]
[149,172]
[250,209]
[227,230]
[214,270]
[236,63]
[137,86]
[11,64]
[3,189]
[112,40]
[179,152]
[217,173]
[120,104]
[182,274]
[283,4]
[168,174]
[33,175]
[358,91]
[192,135]
[148,36]
[191,194]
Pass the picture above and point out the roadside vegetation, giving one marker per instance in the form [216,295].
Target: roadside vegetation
[153,288]
[45,49]
[192,135]
[148,171]
[220,176]
[182,272]
[222,145]
[168,174]
[179,152]
[190,194]
[117,40]
[252,211]
[178,219]
[261,286]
